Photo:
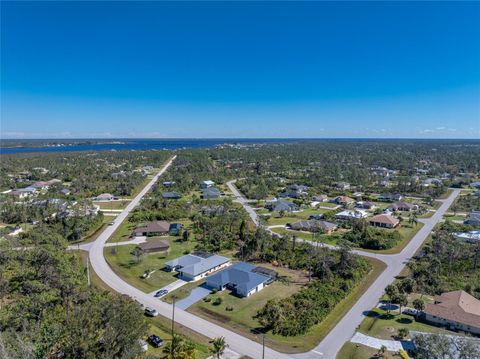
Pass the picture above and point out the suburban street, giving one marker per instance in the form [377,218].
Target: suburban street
[346,327]
[328,348]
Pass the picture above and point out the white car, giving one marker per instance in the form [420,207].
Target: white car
[151,312]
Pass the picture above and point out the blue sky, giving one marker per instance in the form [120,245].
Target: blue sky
[243,69]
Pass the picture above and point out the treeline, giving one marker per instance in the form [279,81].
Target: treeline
[447,263]
[334,274]
[48,311]
[87,173]
[320,163]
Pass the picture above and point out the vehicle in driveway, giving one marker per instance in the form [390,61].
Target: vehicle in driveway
[161,293]
[155,341]
[151,312]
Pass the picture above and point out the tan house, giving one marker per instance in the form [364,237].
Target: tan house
[157,228]
[384,221]
[456,310]
[154,246]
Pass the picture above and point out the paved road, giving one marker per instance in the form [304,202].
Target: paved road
[235,341]
[328,348]
[346,327]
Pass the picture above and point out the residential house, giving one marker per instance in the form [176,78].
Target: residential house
[365,205]
[168,183]
[157,228]
[432,182]
[279,206]
[473,218]
[197,265]
[291,194]
[351,214]
[390,197]
[471,236]
[206,184]
[313,225]
[475,184]
[155,246]
[402,206]
[342,185]
[243,279]
[212,210]
[343,200]
[104,197]
[297,187]
[65,191]
[384,221]
[211,193]
[22,193]
[456,310]
[171,195]
[320,198]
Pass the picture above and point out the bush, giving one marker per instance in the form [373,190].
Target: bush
[214,290]
[207,299]
[229,309]
[217,301]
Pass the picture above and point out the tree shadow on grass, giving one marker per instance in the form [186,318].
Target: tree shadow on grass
[404,321]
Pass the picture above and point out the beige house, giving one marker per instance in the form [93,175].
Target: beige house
[384,221]
[456,310]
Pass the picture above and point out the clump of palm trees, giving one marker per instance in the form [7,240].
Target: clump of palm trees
[218,346]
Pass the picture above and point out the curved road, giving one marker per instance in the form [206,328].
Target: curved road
[346,327]
[332,343]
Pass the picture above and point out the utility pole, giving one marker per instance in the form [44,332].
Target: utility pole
[263,346]
[88,271]
[172,349]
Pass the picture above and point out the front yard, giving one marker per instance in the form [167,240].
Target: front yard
[240,318]
[126,266]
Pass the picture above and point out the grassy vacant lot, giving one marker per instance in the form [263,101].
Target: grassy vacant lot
[161,326]
[323,238]
[123,232]
[275,218]
[105,206]
[359,351]
[125,264]
[240,319]
[406,232]
[380,325]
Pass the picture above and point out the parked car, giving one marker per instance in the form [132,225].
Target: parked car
[410,311]
[161,293]
[155,341]
[111,223]
[151,312]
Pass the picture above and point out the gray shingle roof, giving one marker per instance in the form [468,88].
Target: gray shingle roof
[241,276]
[194,265]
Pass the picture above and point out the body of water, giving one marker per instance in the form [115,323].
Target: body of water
[134,145]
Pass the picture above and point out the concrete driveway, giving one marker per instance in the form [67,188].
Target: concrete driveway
[197,294]
[172,286]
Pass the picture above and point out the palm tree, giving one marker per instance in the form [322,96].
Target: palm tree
[412,219]
[218,346]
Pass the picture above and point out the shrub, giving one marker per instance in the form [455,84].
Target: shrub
[229,309]
[217,301]
[207,299]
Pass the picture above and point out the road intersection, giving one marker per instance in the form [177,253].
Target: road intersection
[327,348]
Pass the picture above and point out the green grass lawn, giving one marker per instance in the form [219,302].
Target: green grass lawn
[378,324]
[105,206]
[275,218]
[125,265]
[406,232]
[240,319]
[323,238]
[161,327]
[123,232]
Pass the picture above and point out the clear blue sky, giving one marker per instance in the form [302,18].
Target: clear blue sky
[331,69]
